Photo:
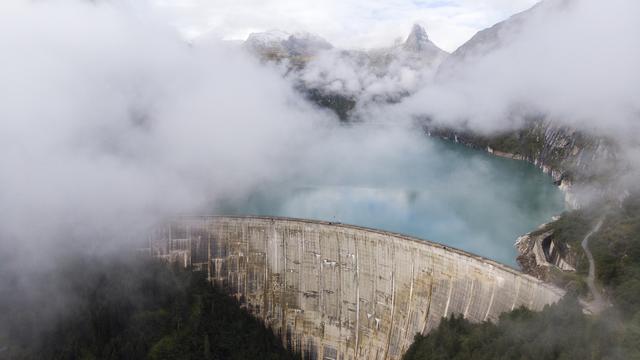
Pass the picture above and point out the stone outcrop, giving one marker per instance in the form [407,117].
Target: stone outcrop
[334,291]
[538,253]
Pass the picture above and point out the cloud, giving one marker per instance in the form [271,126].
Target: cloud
[111,121]
[367,77]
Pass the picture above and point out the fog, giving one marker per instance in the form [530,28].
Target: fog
[411,184]
[110,123]
[380,75]
[110,118]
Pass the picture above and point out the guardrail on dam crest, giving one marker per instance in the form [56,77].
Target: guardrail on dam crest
[334,291]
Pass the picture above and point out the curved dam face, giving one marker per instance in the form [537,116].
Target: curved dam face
[334,291]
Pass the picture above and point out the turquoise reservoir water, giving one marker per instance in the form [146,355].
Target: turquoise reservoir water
[414,185]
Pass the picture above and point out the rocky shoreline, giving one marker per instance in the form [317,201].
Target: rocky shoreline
[560,152]
[538,254]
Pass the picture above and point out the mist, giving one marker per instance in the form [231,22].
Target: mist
[380,75]
[385,177]
[110,121]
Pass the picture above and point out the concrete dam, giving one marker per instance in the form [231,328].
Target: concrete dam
[334,291]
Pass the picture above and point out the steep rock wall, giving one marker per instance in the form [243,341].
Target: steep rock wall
[334,291]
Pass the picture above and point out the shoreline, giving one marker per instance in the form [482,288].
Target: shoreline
[565,185]
[523,249]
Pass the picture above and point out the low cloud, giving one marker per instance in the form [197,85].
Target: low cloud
[111,121]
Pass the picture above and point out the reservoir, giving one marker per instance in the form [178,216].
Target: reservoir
[415,185]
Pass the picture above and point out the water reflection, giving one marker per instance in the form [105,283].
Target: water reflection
[421,187]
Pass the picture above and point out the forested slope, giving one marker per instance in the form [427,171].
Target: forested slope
[136,309]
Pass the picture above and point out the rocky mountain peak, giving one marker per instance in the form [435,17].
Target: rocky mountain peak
[304,43]
[417,40]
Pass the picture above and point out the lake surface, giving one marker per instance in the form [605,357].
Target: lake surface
[414,185]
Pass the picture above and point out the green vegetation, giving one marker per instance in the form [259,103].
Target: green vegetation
[138,309]
[616,251]
[560,331]
[340,104]
[615,248]
[569,231]
[142,309]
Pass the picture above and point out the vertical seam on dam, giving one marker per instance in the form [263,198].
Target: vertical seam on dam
[466,309]
[428,312]
[357,349]
[493,294]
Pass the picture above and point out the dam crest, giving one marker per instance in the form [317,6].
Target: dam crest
[335,291]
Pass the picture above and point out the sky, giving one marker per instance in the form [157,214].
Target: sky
[344,23]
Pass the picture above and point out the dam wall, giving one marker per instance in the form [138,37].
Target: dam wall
[334,291]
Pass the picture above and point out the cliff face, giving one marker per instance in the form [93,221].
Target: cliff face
[334,291]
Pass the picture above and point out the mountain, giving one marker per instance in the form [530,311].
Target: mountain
[417,52]
[340,79]
[497,36]
[267,42]
[277,45]
[586,164]
[418,42]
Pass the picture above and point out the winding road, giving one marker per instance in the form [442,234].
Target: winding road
[598,303]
